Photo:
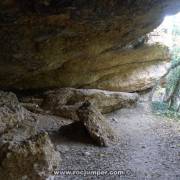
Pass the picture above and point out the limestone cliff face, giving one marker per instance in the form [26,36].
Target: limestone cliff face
[125,70]
[80,43]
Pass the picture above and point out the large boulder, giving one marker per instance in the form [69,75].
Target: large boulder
[50,43]
[25,152]
[64,102]
[34,158]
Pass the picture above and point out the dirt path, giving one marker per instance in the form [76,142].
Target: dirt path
[149,148]
[153,143]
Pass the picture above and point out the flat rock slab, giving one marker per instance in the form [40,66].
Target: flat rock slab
[64,102]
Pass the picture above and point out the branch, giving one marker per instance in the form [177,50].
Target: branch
[171,68]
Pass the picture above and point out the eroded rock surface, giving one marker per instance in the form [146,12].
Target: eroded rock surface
[96,125]
[65,101]
[34,158]
[78,43]
[11,113]
[25,152]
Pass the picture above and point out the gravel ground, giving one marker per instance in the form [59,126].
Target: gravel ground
[148,149]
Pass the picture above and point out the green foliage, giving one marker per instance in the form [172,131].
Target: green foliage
[174,75]
[171,105]
[176,30]
[159,106]
[162,109]
[173,78]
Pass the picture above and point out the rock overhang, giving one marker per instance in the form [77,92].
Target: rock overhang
[40,37]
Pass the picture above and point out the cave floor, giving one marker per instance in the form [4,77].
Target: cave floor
[149,147]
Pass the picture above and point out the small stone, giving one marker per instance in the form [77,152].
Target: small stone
[87,153]
[114,119]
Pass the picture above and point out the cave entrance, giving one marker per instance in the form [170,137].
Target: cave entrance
[166,93]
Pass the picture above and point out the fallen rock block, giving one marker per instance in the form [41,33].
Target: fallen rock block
[25,152]
[33,158]
[65,101]
[95,123]
[68,111]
